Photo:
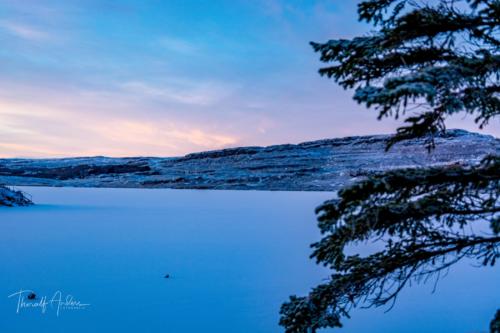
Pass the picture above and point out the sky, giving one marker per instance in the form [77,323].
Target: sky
[166,78]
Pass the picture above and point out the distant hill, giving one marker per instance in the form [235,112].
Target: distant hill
[323,165]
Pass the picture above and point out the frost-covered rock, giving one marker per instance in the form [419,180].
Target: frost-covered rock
[13,198]
[324,165]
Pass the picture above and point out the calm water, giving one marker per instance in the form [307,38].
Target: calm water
[233,257]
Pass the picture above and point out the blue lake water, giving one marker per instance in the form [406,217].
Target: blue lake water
[233,258]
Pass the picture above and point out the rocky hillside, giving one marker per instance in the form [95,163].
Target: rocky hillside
[322,165]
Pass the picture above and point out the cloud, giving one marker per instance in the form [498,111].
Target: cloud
[160,135]
[24,31]
[34,129]
[178,45]
[183,92]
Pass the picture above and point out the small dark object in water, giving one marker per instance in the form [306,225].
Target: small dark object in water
[167,276]
[31,296]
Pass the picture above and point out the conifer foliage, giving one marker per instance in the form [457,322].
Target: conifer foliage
[424,62]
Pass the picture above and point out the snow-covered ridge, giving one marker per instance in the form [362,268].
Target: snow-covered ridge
[323,165]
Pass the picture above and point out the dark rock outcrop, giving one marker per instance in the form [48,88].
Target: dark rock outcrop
[13,198]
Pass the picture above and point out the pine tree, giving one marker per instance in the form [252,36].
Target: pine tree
[424,62]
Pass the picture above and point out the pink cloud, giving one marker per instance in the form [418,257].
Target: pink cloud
[24,31]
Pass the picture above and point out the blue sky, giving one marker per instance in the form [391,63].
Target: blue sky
[165,78]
